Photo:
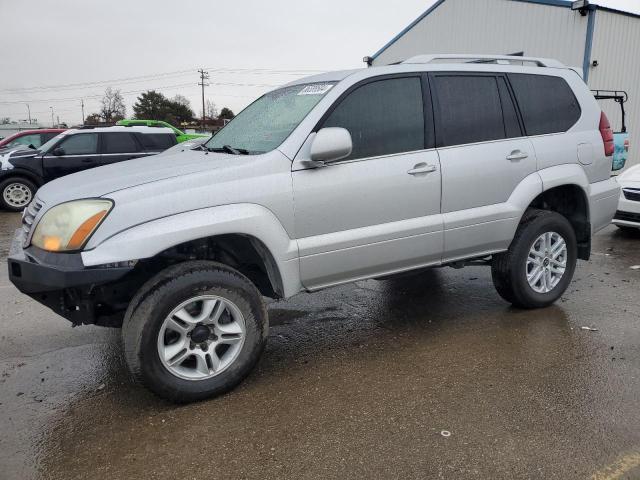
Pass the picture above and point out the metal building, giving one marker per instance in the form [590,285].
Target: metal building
[604,43]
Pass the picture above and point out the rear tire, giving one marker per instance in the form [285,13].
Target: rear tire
[540,262]
[182,350]
[16,193]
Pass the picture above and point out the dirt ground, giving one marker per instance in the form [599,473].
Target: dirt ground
[425,376]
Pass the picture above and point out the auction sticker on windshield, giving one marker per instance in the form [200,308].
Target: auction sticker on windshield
[316,89]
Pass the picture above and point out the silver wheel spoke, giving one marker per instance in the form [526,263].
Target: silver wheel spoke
[201,363]
[176,326]
[201,337]
[547,262]
[230,338]
[185,316]
[176,354]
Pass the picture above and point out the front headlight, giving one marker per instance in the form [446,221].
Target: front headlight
[68,226]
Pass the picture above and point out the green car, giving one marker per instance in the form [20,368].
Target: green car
[180,135]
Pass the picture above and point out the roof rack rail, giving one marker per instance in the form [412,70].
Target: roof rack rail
[473,58]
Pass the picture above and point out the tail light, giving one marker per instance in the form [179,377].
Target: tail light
[607,135]
[626,145]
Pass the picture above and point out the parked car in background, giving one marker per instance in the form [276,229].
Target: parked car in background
[437,161]
[30,138]
[628,214]
[180,135]
[23,171]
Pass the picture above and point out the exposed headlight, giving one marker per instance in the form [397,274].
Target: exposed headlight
[68,226]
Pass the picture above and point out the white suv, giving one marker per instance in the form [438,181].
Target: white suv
[440,160]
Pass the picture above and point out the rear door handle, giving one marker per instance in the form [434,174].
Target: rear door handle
[422,168]
[87,160]
[517,155]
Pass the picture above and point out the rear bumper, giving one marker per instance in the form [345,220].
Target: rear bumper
[58,280]
[603,202]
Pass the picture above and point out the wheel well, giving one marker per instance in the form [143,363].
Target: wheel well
[244,253]
[24,176]
[571,202]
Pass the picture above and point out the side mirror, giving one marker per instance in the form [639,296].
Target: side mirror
[58,151]
[331,144]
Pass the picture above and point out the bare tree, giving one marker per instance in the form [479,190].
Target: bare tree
[181,100]
[212,110]
[113,107]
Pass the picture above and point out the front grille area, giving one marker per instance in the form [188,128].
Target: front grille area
[627,216]
[29,216]
[631,194]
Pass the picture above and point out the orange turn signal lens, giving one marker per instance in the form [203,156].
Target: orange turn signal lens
[52,244]
[88,226]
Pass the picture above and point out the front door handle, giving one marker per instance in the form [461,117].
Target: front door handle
[517,155]
[87,160]
[422,168]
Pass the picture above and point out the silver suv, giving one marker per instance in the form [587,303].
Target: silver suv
[438,161]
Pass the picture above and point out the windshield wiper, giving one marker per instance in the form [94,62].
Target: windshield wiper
[229,149]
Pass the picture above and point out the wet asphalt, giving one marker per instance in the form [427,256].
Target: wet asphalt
[425,376]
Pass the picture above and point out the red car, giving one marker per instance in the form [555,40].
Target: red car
[30,137]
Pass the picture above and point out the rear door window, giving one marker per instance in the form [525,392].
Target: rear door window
[470,110]
[27,140]
[80,144]
[119,143]
[547,103]
[384,117]
[157,141]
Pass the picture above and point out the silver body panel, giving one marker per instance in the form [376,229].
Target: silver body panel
[351,219]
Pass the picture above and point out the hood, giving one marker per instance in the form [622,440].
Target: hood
[7,154]
[101,181]
[630,177]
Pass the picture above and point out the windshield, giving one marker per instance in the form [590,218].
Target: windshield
[45,147]
[267,122]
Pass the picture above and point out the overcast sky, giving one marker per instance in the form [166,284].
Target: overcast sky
[49,47]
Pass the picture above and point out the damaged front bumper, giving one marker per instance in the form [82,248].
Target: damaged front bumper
[62,282]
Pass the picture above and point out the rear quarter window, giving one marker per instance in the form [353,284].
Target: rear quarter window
[157,141]
[547,103]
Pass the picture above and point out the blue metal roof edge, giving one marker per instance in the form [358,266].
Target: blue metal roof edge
[553,3]
[406,29]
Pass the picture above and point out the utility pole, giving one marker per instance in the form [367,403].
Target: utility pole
[203,76]
[52,122]
[29,110]
[82,105]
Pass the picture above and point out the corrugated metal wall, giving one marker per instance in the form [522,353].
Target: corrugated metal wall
[616,45]
[494,26]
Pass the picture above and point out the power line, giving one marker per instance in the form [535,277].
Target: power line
[99,95]
[177,73]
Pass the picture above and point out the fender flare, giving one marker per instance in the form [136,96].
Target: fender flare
[255,221]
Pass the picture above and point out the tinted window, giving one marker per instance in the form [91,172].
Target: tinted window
[80,144]
[47,136]
[383,117]
[470,109]
[157,141]
[26,140]
[119,143]
[547,103]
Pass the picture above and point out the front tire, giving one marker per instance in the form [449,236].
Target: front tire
[194,331]
[16,193]
[540,262]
